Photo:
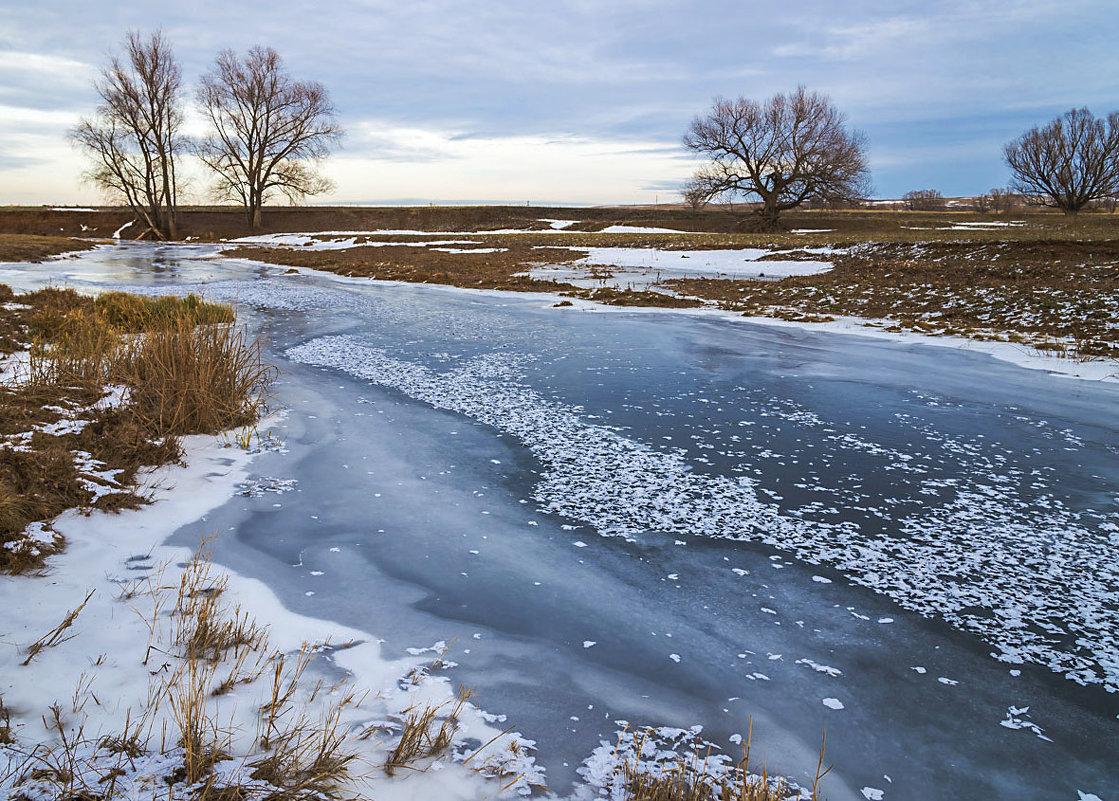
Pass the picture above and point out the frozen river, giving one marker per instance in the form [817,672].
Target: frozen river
[677,520]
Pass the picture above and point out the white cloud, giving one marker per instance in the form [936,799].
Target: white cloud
[500,168]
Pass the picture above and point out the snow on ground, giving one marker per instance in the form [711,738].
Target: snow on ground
[101,671]
[645,268]
[985,224]
[625,488]
[15,368]
[637,229]
[740,263]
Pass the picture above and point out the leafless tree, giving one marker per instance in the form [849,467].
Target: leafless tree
[134,136]
[695,196]
[268,131]
[1001,199]
[982,203]
[923,200]
[1070,162]
[789,149]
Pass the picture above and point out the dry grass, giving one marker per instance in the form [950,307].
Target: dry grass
[1046,293]
[180,366]
[426,733]
[24,247]
[191,379]
[699,778]
[57,635]
[422,265]
[302,757]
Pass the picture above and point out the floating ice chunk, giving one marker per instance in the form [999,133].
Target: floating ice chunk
[821,580]
[589,643]
[949,682]
[873,794]
[833,703]
[579,544]
[674,657]
[919,669]
[831,671]
[885,620]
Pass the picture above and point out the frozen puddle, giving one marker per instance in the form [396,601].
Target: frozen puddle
[980,557]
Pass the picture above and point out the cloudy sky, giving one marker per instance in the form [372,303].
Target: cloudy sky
[580,101]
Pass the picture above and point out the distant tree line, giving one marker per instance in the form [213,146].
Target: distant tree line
[267,131]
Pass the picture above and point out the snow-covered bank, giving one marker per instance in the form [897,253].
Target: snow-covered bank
[104,670]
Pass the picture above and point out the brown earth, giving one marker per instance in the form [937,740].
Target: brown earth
[34,248]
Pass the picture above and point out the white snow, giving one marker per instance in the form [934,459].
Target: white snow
[99,676]
[637,229]
[738,263]
[833,703]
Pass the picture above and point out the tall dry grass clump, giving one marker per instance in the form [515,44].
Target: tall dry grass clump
[176,366]
[194,379]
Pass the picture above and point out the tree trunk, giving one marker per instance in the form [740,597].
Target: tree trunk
[254,219]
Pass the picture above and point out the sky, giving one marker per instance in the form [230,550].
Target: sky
[577,101]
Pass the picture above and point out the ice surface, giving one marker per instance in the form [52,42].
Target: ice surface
[964,499]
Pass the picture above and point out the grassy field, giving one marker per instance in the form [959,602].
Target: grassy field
[1032,277]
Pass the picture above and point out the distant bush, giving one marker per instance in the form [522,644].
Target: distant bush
[924,200]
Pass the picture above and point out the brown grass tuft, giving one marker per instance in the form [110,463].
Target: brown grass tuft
[190,379]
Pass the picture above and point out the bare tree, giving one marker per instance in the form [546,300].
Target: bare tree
[783,152]
[982,203]
[134,136]
[268,130]
[1069,163]
[924,200]
[695,195]
[1001,199]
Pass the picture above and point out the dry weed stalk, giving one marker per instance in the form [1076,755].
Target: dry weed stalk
[203,740]
[695,780]
[420,739]
[204,628]
[6,737]
[55,636]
